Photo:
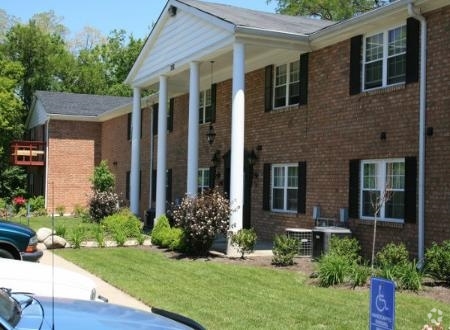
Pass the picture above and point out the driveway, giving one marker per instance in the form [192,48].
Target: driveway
[114,295]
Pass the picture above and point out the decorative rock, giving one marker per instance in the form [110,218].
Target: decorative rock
[43,233]
[56,243]
[41,246]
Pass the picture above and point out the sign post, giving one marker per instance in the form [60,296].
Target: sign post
[382,304]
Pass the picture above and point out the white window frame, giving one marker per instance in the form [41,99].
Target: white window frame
[384,59]
[380,185]
[285,187]
[205,103]
[292,77]
[203,179]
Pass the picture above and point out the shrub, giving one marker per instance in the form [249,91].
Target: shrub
[244,240]
[60,230]
[392,255]
[100,236]
[333,269]
[437,261]
[122,225]
[346,247]
[102,180]
[77,237]
[359,274]
[159,230]
[37,205]
[60,209]
[103,204]
[202,217]
[284,250]
[78,211]
[409,276]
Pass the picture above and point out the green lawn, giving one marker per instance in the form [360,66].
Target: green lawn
[225,296]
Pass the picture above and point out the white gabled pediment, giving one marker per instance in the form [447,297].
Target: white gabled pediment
[176,40]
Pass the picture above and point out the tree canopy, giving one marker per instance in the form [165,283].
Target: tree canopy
[333,10]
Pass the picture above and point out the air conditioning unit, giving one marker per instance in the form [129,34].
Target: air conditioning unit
[304,237]
[322,237]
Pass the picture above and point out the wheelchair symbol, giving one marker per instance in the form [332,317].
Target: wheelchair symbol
[380,302]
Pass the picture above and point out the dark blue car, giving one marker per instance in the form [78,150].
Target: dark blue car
[18,242]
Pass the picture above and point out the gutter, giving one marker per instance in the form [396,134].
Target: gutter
[422,118]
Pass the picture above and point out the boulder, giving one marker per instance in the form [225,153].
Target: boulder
[55,242]
[43,233]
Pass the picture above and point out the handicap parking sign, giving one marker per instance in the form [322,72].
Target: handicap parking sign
[382,304]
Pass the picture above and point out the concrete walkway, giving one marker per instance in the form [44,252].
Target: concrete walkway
[114,295]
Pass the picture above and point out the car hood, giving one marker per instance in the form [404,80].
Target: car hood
[67,314]
[16,227]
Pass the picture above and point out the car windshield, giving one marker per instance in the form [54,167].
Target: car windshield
[9,308]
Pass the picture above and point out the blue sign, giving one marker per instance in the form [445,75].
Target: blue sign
[382,304]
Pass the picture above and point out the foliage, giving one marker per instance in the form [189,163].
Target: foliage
[122,225]
[78,211]
[326,9]
[78,236]
[437,261]
[333,269]
[284,250]
[12,181]
[244,240]
[60,209]
[202,217]
[409,277]
[103,204]
[37,205]
[100,236]
[167,237]
[359,274]
[392,254]
[345,246]
[61,230]
[102,179]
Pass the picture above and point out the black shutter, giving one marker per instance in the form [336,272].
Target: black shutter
[353,189]
[212,177]
[355,64]
[154,186]
[301,195]
[266,186]
[170,116]
[213,102]
[129,127]
[155,119]
[140,183]
[412,50]
[410,189]
[169,186]
[303,79]
[127,186]
[268,88]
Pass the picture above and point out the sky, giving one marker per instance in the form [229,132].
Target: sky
[134,16]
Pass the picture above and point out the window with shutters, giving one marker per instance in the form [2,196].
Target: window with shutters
[286,84]
[284,187]
[203,179]
[385,58]
[383,189]
[205,110]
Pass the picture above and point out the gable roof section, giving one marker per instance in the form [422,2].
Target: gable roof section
[71,106]
[204,28]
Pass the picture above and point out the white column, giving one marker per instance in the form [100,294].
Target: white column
[237,141]
[162,149]
[192,157]
[135,151]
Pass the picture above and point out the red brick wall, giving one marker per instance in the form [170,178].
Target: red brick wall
[73,152]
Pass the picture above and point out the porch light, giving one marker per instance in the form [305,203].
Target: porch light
[211,135]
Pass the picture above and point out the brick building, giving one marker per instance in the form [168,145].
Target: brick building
[307,116]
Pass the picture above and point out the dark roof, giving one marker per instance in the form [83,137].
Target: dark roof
[260,20]
[60,103]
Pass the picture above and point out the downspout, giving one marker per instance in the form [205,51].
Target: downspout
[47,128]
[422,118]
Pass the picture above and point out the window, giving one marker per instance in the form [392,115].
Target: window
[383,189]
[205,114]
[385,58]
[203,179]
[284,187]
[286,85]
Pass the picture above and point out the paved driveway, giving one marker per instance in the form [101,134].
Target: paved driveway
[114,295]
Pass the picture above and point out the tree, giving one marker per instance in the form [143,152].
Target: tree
[333,10]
